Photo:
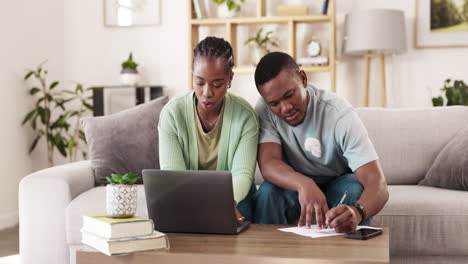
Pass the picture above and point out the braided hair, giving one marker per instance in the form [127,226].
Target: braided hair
[215,47]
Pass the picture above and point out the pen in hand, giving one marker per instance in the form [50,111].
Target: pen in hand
[341,202]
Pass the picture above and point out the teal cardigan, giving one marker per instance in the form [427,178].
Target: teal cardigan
[237,150]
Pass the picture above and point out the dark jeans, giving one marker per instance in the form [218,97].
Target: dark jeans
[246,207]
[275,205]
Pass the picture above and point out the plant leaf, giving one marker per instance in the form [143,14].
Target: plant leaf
[28,75]
[41,113]
[116,177]
[53,85]
[28,116]
[79,88]
[33,145]
[34,90]
[133,181]
[82,136]
[437,101]
[33,121]
[71,145]
[90,107]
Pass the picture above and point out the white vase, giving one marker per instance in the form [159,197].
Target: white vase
[121,200]
[129,77]
[224,12]
[259,53]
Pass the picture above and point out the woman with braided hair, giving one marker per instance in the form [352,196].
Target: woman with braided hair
[210,129]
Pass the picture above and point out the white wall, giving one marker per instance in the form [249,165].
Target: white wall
[31,32]
[93,52]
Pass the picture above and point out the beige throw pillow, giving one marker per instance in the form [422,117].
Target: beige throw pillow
[450,168]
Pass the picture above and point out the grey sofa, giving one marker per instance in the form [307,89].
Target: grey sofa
[427,225]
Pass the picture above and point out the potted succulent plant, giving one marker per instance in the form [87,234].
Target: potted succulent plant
[121,195]
[129,74]
[263,44]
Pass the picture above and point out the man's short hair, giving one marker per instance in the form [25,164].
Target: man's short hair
[271,65]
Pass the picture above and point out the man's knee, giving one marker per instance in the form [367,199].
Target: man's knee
[353,187]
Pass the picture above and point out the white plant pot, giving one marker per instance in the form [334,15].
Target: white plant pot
[224,12]
[129,77]
[259,53]
[121,200]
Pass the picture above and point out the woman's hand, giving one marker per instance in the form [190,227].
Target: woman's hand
[239,217]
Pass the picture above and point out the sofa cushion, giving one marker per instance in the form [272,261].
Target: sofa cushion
[450,168]
[425,220]
[408,140]
[93,201]
[124,142]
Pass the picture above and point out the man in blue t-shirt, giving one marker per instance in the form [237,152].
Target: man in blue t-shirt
[313,149]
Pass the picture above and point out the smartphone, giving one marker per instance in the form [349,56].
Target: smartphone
[363,233]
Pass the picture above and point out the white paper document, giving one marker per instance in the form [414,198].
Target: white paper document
[314,232]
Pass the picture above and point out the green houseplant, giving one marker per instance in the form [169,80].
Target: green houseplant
[230,4]
[121,195]
[52,118]
[262,42]
[455,91]
[129,73]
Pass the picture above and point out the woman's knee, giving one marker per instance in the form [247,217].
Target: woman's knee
[267,191]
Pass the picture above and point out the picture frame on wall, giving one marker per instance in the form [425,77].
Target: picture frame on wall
[441,23]
[129,13]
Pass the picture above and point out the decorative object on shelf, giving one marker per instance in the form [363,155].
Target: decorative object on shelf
[312,61]
[314,47]
[129,74]
[441,24]
[230,4]
[199,9]
[121,195]
[455,91]
[263,44]
[56,117]
[324,7]
[374,33]
[286,10]
[126,13]
[228,8]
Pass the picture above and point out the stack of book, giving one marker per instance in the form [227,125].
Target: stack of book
[114,236]
[312,61]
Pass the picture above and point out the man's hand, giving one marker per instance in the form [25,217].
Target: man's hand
[343,218]
[312,200]
[239,217]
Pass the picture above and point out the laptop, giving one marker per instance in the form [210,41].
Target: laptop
[191,201]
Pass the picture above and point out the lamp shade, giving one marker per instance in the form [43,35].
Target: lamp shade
[375,31]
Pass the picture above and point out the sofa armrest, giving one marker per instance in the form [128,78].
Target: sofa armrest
[43,198]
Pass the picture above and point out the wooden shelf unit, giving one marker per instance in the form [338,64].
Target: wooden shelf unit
[231,24]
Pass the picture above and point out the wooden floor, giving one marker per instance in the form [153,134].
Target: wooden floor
[9,241]
[9,246]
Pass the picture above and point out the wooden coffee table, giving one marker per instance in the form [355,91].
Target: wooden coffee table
[259,244]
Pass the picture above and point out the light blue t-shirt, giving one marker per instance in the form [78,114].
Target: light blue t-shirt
[330,142]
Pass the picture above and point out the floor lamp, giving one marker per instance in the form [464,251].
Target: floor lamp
[374,33]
